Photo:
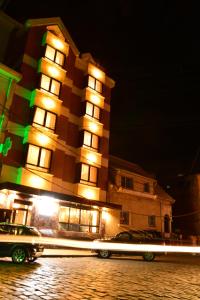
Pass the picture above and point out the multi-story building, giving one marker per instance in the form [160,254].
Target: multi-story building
[145,205]
[55,110]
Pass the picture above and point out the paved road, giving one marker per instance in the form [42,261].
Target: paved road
[90,278]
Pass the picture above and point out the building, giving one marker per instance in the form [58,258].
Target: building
[186,189]
[145,205]
[54,140]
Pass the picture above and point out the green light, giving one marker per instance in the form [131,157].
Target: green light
[19,175]
[2,117]
[4,148]
[32,100]
[26,133]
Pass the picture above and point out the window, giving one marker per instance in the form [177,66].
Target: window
[88,173]
[146,187]
[49,84]
[91,140]
[45,118]
[152,221]
[124,217]
[95,84]
[92,110]
[38,156]
[127,182]
[78,219]
[54,55]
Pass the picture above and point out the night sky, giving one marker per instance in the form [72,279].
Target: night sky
[152,50]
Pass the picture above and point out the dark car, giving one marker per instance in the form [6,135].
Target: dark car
[132,237]
[19,251]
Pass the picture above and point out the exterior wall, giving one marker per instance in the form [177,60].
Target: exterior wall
[63,142]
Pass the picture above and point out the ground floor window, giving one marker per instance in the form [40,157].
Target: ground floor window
[78,219]
[124,217]
[152,221]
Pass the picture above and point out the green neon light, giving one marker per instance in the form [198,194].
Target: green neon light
[44,39]
[19,175]
[2,117]
[5,147]
[32,100]
[6,72]
[26,133]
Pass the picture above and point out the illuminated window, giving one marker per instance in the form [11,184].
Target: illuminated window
[124,217]
[38,156]
[54,55]
[91,140]
[45,118]
[127,182]
[92,110]
[88,173]
[49,84]
[152,221]
[95,84]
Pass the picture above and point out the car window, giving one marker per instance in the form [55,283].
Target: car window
[123,236]
[29,231]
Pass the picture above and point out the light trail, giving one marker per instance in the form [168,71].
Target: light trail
[99,245]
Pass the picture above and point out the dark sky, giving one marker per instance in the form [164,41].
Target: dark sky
[152,50]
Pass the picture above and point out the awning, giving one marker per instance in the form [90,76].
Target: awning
[64,197]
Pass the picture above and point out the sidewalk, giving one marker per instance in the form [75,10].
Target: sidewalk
[67,253]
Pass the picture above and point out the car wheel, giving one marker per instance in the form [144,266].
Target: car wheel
[104,254]
[148,256]
[31,259]
[19,255]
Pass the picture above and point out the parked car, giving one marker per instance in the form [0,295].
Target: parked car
[131,237]
[19,251]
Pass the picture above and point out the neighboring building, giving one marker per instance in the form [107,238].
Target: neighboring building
[145,205]
[54,120]
[186,189]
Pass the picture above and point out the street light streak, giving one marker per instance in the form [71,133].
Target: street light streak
[99,245]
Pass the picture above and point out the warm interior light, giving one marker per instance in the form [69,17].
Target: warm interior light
[16,205]
[47,206]
[48,103]
[2,198]
[35,181]
[105,215]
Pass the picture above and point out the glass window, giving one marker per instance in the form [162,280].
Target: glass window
[49,84]
[54,55]
[124,217]
[84,172]
[146,187]
[45,82]
[127,182]
[74,215]
[95,84]
[59,58]
[38,156]
[89,173]
[152,221]
[44,118]
[50,52]
[33,154]
[91,140]
[92,110]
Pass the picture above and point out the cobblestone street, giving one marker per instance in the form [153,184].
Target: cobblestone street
[85,278]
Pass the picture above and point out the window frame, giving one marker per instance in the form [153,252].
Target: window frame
[45,118]
[126,185]
[146,187]
[95,84]
[152,221]
[39,156]
[93,110]
[56,51]
[91,139]
[50,85]
[88,175]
